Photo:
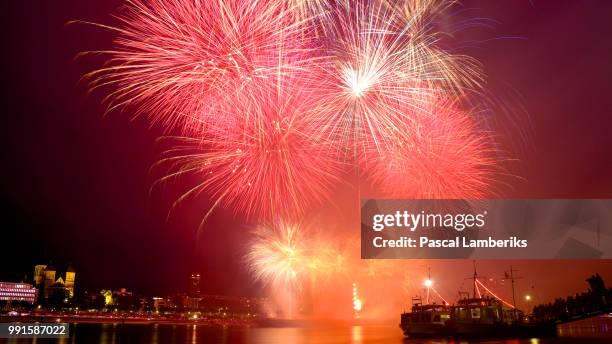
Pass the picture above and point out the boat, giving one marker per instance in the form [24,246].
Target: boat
[479,315]
[425,320]
[482,316]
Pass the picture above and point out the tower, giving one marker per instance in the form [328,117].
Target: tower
[194,285]
[69,281]
[49,278]
[39,274]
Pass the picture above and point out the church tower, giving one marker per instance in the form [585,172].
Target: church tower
[69,282]
[39,274]
[49,278]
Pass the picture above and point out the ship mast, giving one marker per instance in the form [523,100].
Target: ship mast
[475,275]
[509,275]
[474,279]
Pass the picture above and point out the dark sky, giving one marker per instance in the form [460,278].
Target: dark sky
[75,184]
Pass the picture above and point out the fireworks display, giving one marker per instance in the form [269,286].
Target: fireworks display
[382,68]
[445,157]
[183,63]
[265,166]
[270,102]
[289,258]
[290,254]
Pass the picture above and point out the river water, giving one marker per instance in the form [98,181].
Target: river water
[193,334]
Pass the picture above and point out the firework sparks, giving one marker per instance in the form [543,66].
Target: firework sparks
[446,156]
[290,258]
[382,68]
[287,254]
[184,61]
[270,97]
[308,10]
[270,165]
[277,255]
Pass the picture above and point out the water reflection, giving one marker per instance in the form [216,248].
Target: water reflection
[155,334]
[356,334]
[276,335]
[104,333]
[224,335]
[195,334]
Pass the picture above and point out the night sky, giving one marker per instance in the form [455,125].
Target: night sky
[75,183]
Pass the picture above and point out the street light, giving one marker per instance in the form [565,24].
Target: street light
[527,297]
[428,283]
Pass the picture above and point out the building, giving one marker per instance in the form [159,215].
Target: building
[193,298]
[49,280]
[194,285]
[124,299]
[46,277]
[39,274]
[69,280]
[159,303]
[18,292]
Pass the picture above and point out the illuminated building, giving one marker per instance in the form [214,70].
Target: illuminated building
[123,299]
[159,303]
[49,279]
[69,281]
[45,276]
[18,292]
[39,274]
[194,285]
[192,301]
[108,297]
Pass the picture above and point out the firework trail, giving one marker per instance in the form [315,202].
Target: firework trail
[182,62]
[446,156]
[307,11]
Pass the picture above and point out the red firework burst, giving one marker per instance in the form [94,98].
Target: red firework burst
[183,61]
[267,93]
[270,165]
[446,156]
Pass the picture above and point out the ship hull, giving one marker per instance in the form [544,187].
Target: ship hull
[479,330]
[424,330]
